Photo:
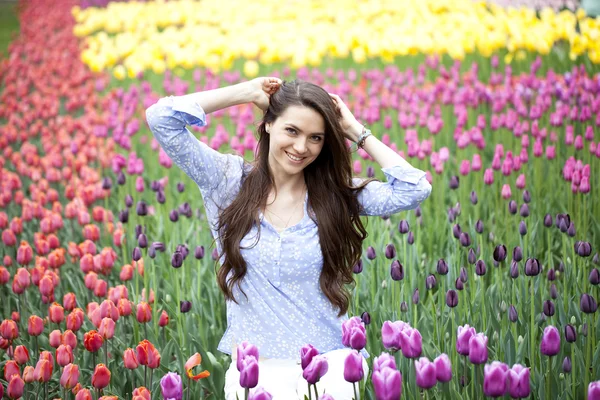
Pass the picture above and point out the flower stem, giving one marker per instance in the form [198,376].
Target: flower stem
[355,395]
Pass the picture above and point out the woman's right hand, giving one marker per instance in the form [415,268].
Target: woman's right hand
[262,89]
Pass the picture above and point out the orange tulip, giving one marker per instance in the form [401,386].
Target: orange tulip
[46,355]
[11,368]
[108,309]
[56,313]
[15,316]
[130,359]
[35,325]
[147,354]
[43,371]
[141,393]
[64,355]
[21,355]
[15,388]
[109,398]
[124,307]
[192,362]
[101,377]
[70,376]
[75,320]
[92,341]
[144,313]
[28,374]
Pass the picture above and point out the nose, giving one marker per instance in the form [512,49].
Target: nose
[300,146]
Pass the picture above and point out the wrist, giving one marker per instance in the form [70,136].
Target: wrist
[355,131]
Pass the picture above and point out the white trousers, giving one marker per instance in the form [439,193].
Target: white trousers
[283,378]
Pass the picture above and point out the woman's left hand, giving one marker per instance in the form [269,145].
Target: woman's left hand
[352,128]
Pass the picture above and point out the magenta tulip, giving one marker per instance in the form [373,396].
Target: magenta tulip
[495,379]
[316,369]
[243,350]
[550,345]
[478,351]
[426,374]
[594,390]
[387,383]
[249,372]
[411,342]
[307,352]
[353,369]
[443,368]
[383,361]
[462,341]
[519,381]
[390,334]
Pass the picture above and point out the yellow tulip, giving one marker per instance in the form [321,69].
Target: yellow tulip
[251,68]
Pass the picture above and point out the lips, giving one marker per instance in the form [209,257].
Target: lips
[294,159]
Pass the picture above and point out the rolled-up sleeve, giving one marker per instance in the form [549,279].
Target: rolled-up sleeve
[406,187]
[213,172]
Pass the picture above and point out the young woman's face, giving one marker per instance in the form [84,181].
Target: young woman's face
[296,139]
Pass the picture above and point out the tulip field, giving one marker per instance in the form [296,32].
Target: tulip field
[489,289]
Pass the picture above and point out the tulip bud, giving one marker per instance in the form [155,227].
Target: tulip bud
[548,308]
[397,271]
[199,253]
[463,275]
[465,239]
[526,196]
[358,267]
[403,306]
[459,284]
[365,318]
[588,304]
[174,216]
[522,228]
[142,241]
[513,316]
[451,298]
[185,306]
[101,377]
[524,211]
[550,344]
[390,251]
[177,259]
[548,221]
[571,230]
[141,208]
[551,275]
[532,267]
[129,359]
[442,267]
[500,253]
[512,207]
[430,282]
[480,268]
[553,291]
[415,296]
[403,227]
[473,197]
[471,257]
[567,366]
[570,333]
[410,239]
[479,226]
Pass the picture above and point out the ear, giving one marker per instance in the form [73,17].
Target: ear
[268,127]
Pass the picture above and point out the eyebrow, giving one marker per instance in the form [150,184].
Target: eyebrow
[300,130]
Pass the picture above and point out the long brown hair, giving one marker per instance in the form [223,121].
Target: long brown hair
[330,194]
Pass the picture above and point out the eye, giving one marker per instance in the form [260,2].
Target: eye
[290,130]
[317,138]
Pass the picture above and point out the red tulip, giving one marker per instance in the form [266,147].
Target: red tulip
[147,354]
[92,341]
[55,338]
[9,330]
[21,281]
[11,368]
[101,377]
[130,359]
[15,316]
[64,355]
[107,328]
[46,355]
[164,319]
[21,355]
[56,313]
[35,325]
[9,238]
[43,371]
[15,387]
[144,313]
[126,273]
[70,376]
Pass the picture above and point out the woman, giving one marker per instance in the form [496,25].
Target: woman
[287,226]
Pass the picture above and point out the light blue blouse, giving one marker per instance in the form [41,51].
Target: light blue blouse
[285,307]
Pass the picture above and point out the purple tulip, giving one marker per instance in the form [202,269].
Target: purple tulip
[479,226]
[403,227]
[353,369]
[443,368]
[519,382]
[495,379]
[462,341]
[500,253]
[594,277]
[570,333]
[390,251]
[517,254]
[594,391]
[397,271]
[480,267]
[354,334]
[430,282]
[452,298]
[411,342]
[415,296]
[249,372]
[410,239]
[243,350]
[128,201]
[390,334]
[358,267]
[465,239]
[442,267]
[588,304]
[550,345]
[567,366]
[387,383]
[385,360]
[371,255]
[261,394]
[478,351]
[365,317]
[513,316]
[307,352]
[426,373]
[532,267]
[317,367]
[199,252]
[171,386]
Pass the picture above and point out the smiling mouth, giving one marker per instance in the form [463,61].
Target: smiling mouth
[294,158]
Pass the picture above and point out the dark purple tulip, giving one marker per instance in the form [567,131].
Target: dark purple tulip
[121,178]
[160,246]
[106,183]
[500,253]
[128,201]
[186,210]
[370,171]
[570,333]
[418,211]
[185,306]
[358,267]
[141,208]
[588,304]
[430,282]
[404,306]
[479,226]
[495,379]
[410,238]
[550,345]
[551,275]
[594,277]
[513,316]
[174,216]
[371,253]
[199,252]
[463,275]
[365,317]
[532,267]
[456,231]
[524,211]
[549,309]
[151,252]
[522,228]
[459,284]
[139,229]
[387,383]
[353,369]
[584,249]
[514,269]
[465,239]
[317,367]
[137,254]
[142,241]
[249,372]
[471,256]
[390,251]
[548,222]
[307,352]
[183,249]
[403,227]
[160,197]
[473,197]
[526,196]
[480,267]
[512,207]
[517,253]
[571,231]
[442,267]
[553,291]
[451,298]
[561,267]
[154,186]
[583,329]
[177,259]
[415,296]
[180,187]
[566,365]
[596,259]
[451,215]
[397,271]
[454,182]
[124,216]
[562,223]
[519,382]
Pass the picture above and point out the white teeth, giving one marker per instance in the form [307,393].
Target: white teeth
[294,158]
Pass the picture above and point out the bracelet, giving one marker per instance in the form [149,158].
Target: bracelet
[366,132]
